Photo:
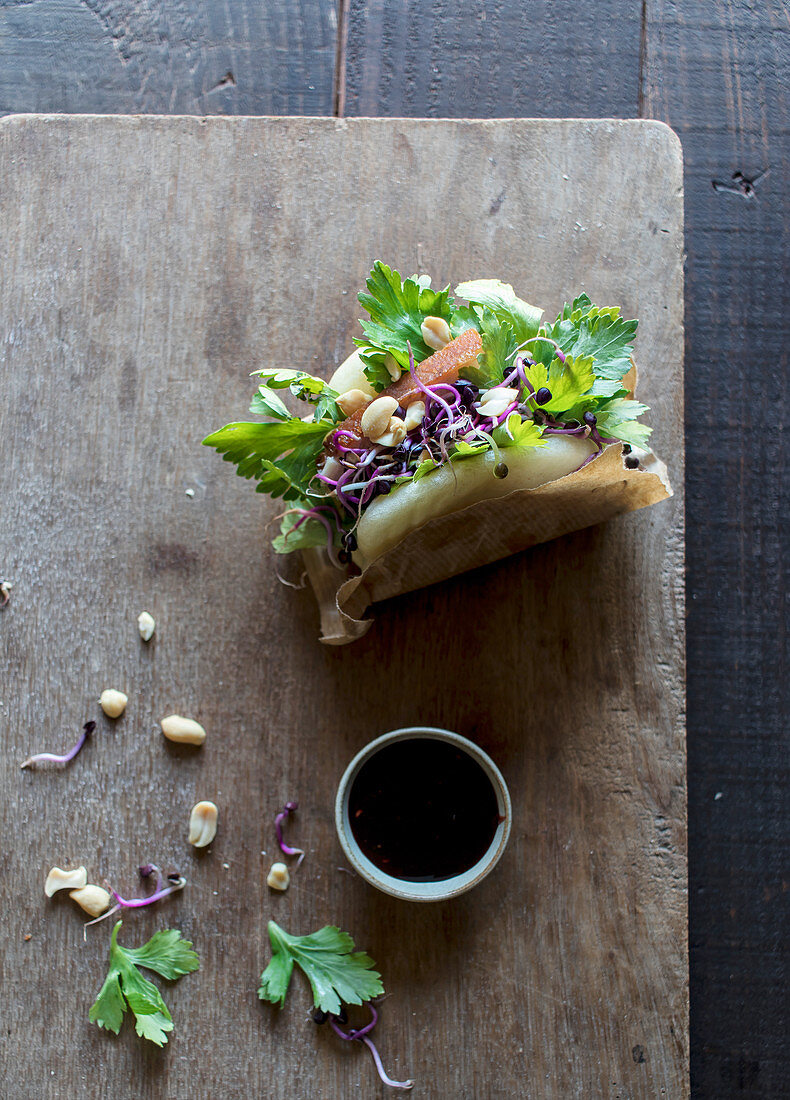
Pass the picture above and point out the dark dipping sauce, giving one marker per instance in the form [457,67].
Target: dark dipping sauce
[423,810]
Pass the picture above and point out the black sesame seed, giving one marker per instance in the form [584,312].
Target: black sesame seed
[319,1016]
[590,418]
[543,395]
[631,462]
[626,448]
[501,470]
[350,541]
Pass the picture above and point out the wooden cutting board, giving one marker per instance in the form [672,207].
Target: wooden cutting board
[149,265]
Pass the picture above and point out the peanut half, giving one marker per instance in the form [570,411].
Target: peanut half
[65,880]
[93,899]
[184,731]
[352,401]
[376,417]
[113,702]
[203,824]
[436,332]
[278,877]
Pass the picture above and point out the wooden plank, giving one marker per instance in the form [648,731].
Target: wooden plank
[117,56]
[719,73]
[461,58]
[150,265]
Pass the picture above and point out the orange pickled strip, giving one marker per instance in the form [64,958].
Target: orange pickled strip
[442,366]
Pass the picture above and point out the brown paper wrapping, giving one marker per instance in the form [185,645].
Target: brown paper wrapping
[482,533]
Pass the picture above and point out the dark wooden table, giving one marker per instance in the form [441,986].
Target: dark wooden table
[718,73]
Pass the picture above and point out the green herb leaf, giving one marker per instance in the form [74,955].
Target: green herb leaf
[516,432]
[304,386]
[337,974]
[397,309]
[267,403]
[584,329]
[617,420]
[125,987]
[568,381]
[281,454]
[307,535]
[499,344]
[500,297]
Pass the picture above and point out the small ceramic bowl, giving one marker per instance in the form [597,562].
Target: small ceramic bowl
[403,888]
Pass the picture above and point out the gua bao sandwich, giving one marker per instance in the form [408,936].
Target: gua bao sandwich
[452,418]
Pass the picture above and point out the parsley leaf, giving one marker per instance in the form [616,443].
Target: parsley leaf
[281,454]
[516,432]
[325,957]
[501,299]
[126,988]
[584,329]
[397,309]
[308,534]
[617,420]
[499,344]
[568,382]
[304,386]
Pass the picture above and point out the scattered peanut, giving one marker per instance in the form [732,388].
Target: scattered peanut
[353,400]
[414,415]
[185,731]
[332,468]
[393,367]
[395,433]
[376,417]
[495,401]
[436,332]
[113,702]
[65,880]
[203,824]
[278,877]
[93,899]
[146,624]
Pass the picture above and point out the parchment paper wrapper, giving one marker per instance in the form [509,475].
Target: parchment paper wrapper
[482,533]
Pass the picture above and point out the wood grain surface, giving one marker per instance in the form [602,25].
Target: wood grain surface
[150,265]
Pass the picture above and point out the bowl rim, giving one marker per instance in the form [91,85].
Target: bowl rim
[404,888]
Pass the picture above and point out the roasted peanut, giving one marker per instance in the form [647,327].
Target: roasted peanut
[184,731]
[495,401]
[146,624]
[436,332]
[393,367]
[352,400]
[395,433]
[203,824]
[376,417]
[414,415]
[93,899]
[113,702]
[278,877]
[65,880]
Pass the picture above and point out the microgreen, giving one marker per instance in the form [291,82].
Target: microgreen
[286,849]
[175,882]
[54,758]
[125,988]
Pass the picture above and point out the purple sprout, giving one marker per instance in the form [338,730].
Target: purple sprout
[362,1035]
[286,849]
[51,757]
[175,882]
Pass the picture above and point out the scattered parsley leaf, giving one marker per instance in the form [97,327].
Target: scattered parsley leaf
[281,454]
[500,298]
[397,309]
[126,988]
[516,432]
[337,974]
[617,420]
